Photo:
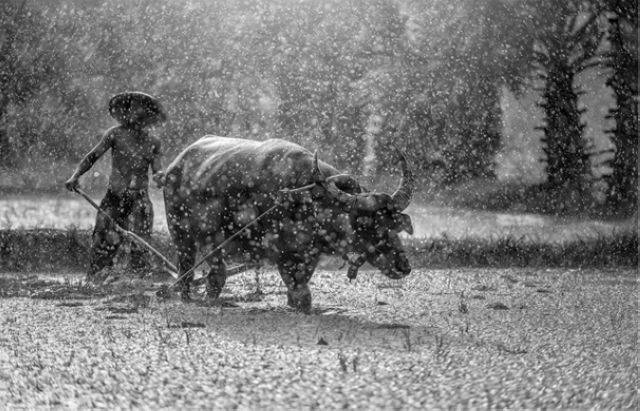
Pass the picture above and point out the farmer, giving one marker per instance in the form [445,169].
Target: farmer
[133,151]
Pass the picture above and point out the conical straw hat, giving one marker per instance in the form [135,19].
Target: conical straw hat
[121,105]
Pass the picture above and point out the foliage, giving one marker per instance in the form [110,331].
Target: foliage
[32,69]
[567,38]
[621,249]
[348,78]
[56,249]
[253,68]
[449,102]
[623,61]
[68,249]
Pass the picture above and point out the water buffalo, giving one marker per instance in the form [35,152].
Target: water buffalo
[217,185]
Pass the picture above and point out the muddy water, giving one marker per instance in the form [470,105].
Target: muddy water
[61,212]
[23,211]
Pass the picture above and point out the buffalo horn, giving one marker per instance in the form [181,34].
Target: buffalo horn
[368,202]
[402,196]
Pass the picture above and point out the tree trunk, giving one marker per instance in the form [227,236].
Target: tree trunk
[487,131]
[623,181]
[5,145]
[567,163]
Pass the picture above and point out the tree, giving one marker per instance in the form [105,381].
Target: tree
[490,49]
[27,64]
[568,35]
[315,73]
[172,50]
[623,61]
[456,57]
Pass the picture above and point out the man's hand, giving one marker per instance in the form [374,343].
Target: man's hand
[72,183]
[159,178]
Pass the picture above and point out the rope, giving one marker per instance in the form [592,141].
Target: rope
[281,194]
[136,237]
[222,244]
[279,199]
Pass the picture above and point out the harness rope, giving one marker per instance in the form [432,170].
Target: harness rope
[131,234]
[281,194]
[222,244]
[353,265]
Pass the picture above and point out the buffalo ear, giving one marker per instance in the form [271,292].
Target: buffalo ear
[315,170]
[404,223]
[346,183]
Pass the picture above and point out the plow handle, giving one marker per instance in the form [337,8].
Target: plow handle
[128,233]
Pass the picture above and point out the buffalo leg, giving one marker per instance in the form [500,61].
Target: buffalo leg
[216,278]
[296,276]
[186,260]
[180,232]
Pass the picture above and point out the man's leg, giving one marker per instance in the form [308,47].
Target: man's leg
[106,239]
[141,223]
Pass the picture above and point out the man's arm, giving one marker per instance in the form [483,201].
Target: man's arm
[89,160]
[156,165]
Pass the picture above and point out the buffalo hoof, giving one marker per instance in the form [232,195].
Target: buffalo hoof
[209,302]
[215,302]
[215,284]
[185,295]
[212,293]
[300,298]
